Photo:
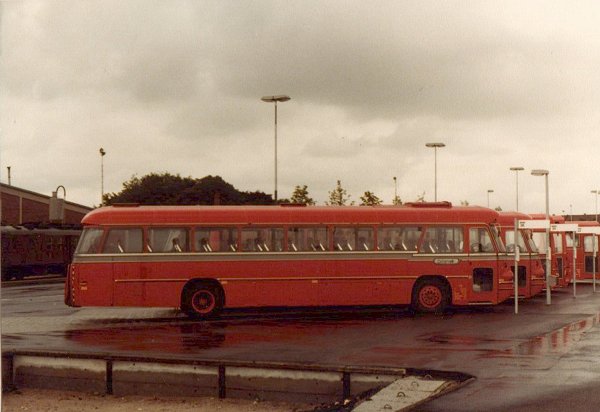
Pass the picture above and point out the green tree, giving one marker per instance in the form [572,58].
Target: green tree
[369,199]
[396,200]
[338,196]
[421,198]
[498,209]
[464,203]
[300,196]
[168,189]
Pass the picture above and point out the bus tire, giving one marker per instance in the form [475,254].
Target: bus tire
[202,301]
[431,296]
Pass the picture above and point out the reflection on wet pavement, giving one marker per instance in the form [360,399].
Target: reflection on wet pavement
[512,356]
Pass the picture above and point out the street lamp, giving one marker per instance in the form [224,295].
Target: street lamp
[517,169]
[435,147]
[274,99]
[395,191]
[102,153]
[488,196]
[596,193]
[542,172]
[595,244]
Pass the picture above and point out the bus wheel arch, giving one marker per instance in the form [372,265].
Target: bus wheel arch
[431,294]
[202,298]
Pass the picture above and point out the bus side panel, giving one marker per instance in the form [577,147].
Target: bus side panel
[129,285]
[485,284]
[93,284]
[272,283]
[162,282]
[366,282]
[314,283]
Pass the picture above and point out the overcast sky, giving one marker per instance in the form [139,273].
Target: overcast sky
[175,86]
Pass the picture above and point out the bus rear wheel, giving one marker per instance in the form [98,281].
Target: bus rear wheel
[202,301]
[431,296]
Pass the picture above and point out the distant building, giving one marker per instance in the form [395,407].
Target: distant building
[20,206]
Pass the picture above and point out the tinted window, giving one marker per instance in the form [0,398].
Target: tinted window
[353,238]
[307,239]
[216,240]
[403,238]
[123,241]
[262,239]
[442,239]
[90,240]
[167,240]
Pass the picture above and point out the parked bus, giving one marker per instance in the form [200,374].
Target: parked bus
[585,252]
[561,260]
[206,258]
[531,273]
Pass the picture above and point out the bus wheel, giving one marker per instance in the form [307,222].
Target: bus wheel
[202,301]
[431,296]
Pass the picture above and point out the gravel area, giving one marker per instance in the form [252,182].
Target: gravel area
[40,400]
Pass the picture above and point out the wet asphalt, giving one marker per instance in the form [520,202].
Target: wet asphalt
[544,358]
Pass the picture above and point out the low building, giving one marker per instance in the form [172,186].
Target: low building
[21,206]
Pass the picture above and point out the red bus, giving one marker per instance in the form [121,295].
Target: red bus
[561,259]
[531,276]
[206,258]
[585,252]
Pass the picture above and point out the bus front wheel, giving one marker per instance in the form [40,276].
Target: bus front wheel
[201,301]
[431,296]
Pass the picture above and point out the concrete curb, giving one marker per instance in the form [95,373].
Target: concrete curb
[37,280]
[169,376]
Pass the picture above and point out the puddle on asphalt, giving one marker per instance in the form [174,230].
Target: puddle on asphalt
[462,340]
[556,342]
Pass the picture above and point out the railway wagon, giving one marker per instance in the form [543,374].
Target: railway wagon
[28,251]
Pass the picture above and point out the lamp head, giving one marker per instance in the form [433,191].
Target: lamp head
[277,98]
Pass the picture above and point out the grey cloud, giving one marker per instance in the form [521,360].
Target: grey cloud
[399,69]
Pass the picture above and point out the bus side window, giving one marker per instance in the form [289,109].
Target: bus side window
[307,239]
[215,239]
[411,236]
[123,241]
[167,240]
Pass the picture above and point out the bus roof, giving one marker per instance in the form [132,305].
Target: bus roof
[585,222]
[508,217]
[553,218]
[283,214]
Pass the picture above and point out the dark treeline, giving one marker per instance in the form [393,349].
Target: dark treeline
[168,189]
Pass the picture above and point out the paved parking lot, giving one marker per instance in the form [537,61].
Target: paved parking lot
[518,360]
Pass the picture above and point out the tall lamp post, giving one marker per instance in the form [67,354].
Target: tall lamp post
[395,191]
[595,237]
[542,172]
[274,99]
[102,153]
[596,192]
[435,147]
[488,196]
[517,169]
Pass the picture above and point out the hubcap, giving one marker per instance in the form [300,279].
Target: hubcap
[430,296]
[203,301]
